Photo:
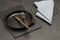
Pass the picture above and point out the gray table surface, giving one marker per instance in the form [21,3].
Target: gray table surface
[47,32]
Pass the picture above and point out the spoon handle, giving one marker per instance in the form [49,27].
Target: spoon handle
[25,24]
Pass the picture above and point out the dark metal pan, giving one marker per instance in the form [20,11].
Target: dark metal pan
[13,23]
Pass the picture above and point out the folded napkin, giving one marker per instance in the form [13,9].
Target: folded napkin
[45,10]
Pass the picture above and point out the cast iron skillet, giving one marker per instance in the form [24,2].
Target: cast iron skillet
[11,22]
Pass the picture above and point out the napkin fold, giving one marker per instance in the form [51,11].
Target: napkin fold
[45,10]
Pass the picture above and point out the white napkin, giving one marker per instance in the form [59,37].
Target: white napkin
[45,8]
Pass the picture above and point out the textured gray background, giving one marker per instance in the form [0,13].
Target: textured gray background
[46,33]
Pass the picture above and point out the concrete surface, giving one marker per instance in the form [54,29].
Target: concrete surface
[47,32]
